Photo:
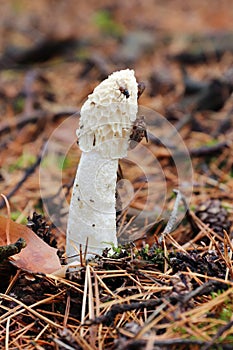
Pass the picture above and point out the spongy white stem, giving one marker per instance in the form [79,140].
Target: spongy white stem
[92,209]
[105,126]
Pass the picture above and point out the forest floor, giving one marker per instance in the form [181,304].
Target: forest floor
[169,285]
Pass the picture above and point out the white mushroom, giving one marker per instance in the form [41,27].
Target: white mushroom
[106,121]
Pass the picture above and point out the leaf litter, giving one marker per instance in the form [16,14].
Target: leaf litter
[166,288]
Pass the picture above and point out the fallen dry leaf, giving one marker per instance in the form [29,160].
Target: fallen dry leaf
[37,256]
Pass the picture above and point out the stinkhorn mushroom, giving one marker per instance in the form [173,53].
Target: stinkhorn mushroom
[106,123]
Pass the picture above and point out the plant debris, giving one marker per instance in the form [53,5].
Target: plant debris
[12,249]
[169,283]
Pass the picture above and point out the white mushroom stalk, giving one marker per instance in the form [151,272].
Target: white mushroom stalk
[106,122]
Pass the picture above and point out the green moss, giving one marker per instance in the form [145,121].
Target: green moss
[18,104]
[23,162]
[63,162]
[211,142]
[56,161]
[16,214]
[226,312]
[106,24]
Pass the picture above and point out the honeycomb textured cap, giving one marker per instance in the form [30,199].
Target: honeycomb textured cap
[108,115]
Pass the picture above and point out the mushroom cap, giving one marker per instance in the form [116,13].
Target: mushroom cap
[108,114]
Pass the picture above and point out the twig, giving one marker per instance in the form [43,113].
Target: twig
[172,220]
[218,334]
[8,239]
[84,301]
[208,150]
[139,344]
[30,78]
[99,63]
[205,288]
[12,249]
[109,317]
[181,123]
[43,50]
[62,345]
[29,309]
[195,152]
[23,119]
[67,310]
[29,171]
[225,123]
[7,333]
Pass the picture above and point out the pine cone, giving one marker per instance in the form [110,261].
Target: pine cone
[211,212]
[38,225]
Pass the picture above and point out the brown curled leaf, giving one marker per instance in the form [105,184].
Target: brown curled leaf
[37,256]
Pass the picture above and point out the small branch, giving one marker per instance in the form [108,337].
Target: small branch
[8,239]
[109,317]
[225,123]
[141,344]
[218,334]
[29,171]
[20,121]
[11,249]
[205,288]
[173,217]
[41,51]
[23,119]
[195,152]
[181,123]
[208,150]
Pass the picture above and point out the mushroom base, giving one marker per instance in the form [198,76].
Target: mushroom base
[92,214]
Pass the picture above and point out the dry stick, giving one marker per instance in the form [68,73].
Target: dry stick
[82,342]
[201,225]
[225,122]
[205,288]
[218,334]
[54,314]
[122,216]
[13,281]
[110,315]
[199,151]
[172,219]
[29,100]
[97,296]
[181,123]
[229,269]
[7,333]
[81,254]
[176,244]
[29,171]
[83,311]
[138,344]
[208,234]
[23,119]
[22,332]
[20,121]
[30,310]
[151,321]
[62,345]
[196,274]
[85,252]
[92,329]
[67,310]
[41,332]
[208,150]
[58,279]
[8,239]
